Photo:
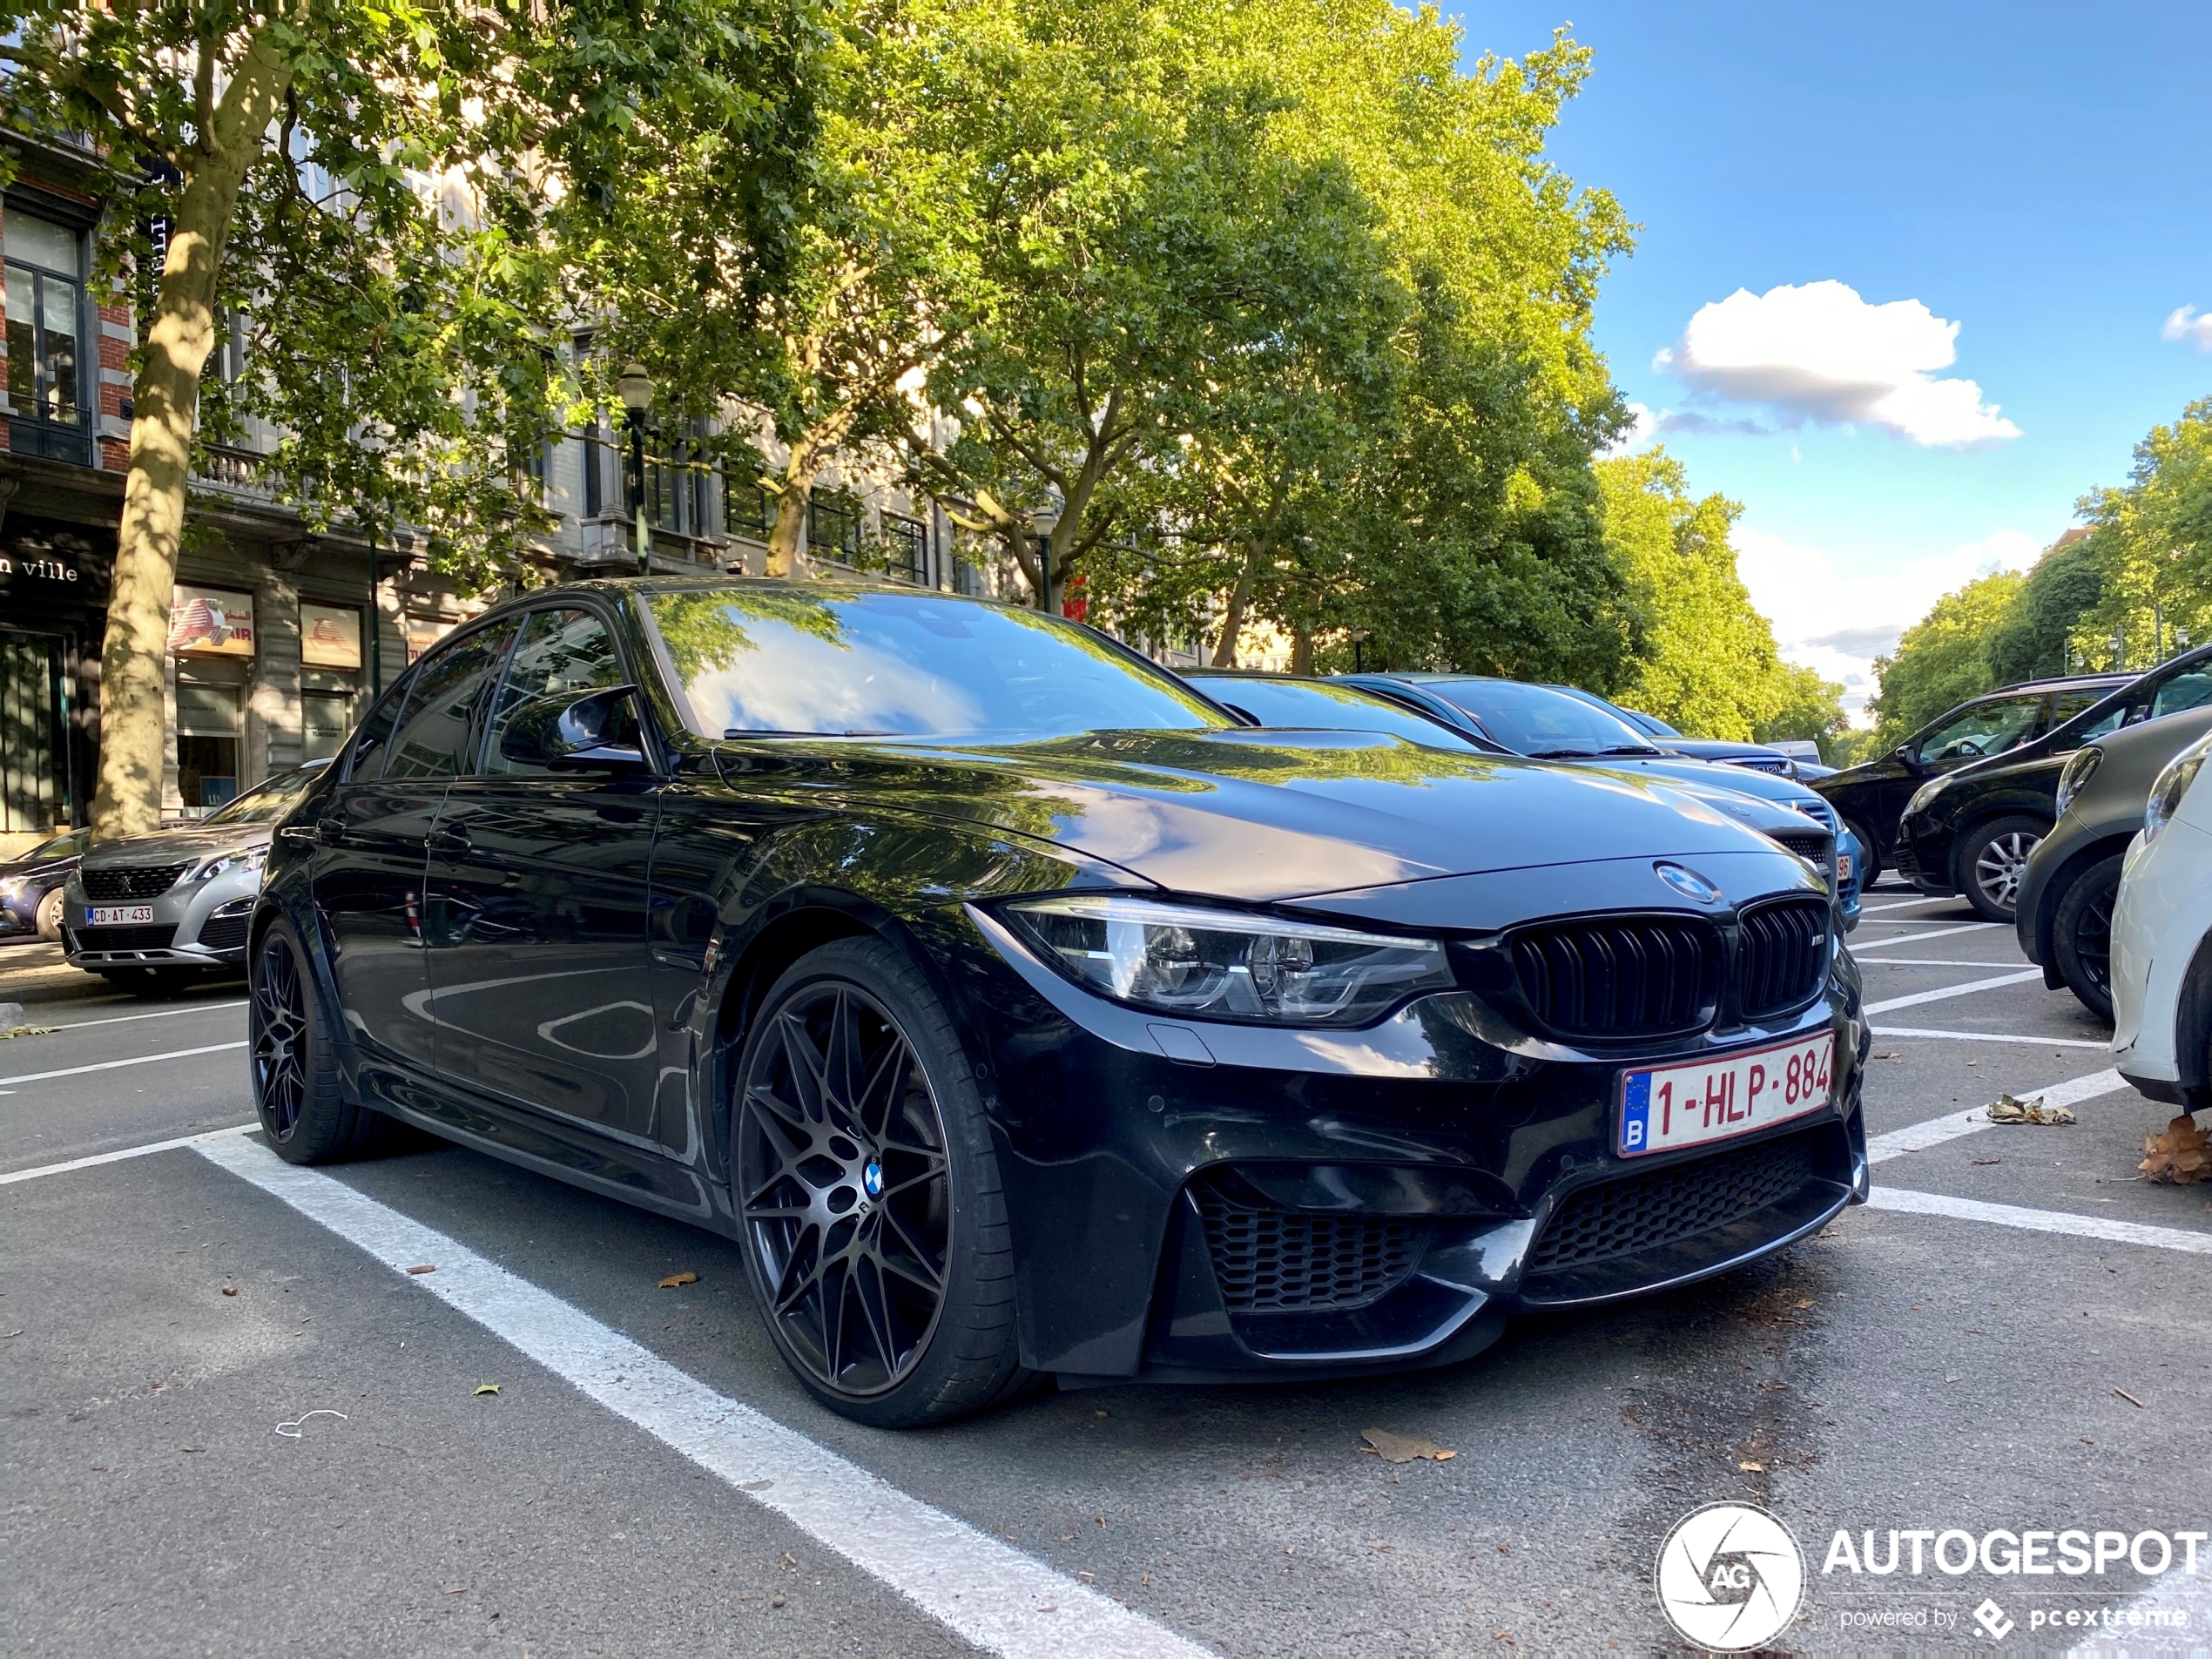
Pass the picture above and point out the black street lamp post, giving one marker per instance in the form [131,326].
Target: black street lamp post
[636,388]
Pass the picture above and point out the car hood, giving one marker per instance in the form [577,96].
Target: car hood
[181,846]
[1709,774]
[1266,815]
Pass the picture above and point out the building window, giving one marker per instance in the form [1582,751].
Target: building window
[323,723]
[833,527]
[680,496]
[752,510]
[208,750]
[905,549]
[45,268]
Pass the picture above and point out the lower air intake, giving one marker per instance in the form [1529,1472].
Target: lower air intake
[1641,1212]
[1285,1261]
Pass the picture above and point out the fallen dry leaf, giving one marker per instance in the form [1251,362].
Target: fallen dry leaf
[421,1269]
[1749,1467]
[487,1388]
[1402,1448]
[28,1031]
[230,1290]
[677,1281]
[2181,1156]
[2006,1109]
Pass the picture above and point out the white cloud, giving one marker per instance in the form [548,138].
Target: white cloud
[1837,617]
[1821,354]
[2185,324]
[1648,426]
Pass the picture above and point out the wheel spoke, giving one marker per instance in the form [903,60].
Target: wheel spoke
[875,1312]
[892,1189]
[923,1258]
[872,1107]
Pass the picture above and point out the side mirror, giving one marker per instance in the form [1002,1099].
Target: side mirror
[1904,754]
[594,731]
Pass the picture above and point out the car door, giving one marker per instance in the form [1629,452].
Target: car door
[538,885]
[372,836]
[1992,726]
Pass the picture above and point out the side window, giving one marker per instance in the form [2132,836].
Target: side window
[1984,730]
[560,652]
[2190,691]
[374,740]
[441,711]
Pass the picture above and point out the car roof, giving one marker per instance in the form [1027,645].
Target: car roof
[2063,683]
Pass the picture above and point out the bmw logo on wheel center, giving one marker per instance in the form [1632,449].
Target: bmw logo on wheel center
[1730,1577]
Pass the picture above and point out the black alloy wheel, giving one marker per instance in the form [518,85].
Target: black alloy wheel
[1991,861]
[846,1188]
[867,1190]
[2081,934]
[297,1092]
[280,1037]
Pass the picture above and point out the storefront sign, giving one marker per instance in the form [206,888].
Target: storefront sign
[330,637]
[422,632]
[37,568]
[210,622]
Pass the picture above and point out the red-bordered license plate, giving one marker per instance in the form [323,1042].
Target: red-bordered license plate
[1667,1107]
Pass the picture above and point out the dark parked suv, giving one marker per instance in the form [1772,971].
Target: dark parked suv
[1972,830]
[1871,797]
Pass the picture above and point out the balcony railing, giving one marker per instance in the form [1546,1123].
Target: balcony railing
[236,470]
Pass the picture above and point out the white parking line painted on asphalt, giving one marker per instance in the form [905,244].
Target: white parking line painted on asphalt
[1917,961]
[1908,904]
[2017,978]
[110,1065]
[1918,1138]
[2177,1600]
[127,1152]
[159,1014]
[2109,1230]
[984,1590]
[1939,932]
[1985,1036]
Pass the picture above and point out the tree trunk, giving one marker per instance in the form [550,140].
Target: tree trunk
[1301,650]
[787,538]
[165,405]
[1232,622]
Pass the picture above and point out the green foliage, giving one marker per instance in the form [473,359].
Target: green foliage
[410,240]
[1708,665]
[2152,541]
[2031,641]
[1943,659]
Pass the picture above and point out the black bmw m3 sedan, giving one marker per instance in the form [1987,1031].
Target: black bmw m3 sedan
[1023,1014]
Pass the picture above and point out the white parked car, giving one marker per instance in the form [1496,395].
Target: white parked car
[2162,940]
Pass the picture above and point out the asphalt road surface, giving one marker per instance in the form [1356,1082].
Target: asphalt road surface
[236,1426]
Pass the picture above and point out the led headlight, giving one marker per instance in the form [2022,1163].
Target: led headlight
[2172,784]
[2081,767]
[1203,964]
[251,859]
[1924,795]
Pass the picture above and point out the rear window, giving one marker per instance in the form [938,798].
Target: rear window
[1326,708]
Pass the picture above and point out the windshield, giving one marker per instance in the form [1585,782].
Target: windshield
[1326,708]
[781,662]
[269,802]
[67,846]
[1533,721]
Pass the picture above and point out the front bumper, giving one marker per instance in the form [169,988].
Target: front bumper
[1197,1203]
[1923,857]
[200,925]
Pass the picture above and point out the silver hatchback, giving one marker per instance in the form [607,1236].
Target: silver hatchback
[151,908]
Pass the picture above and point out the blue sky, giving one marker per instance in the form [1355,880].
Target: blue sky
[2037,175]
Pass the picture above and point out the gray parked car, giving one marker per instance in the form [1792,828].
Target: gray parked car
[150,911]
[2066,893]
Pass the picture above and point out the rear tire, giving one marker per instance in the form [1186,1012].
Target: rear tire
[48,917]
[2082,935]
[1991,860]
[872,1216]
[293,1064]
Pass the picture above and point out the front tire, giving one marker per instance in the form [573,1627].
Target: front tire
[48,917]
[296,1091]
[2082,935]
[1992,860]
[873,1219]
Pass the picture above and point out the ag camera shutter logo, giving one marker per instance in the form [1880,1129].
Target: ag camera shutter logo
[1730,1577]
